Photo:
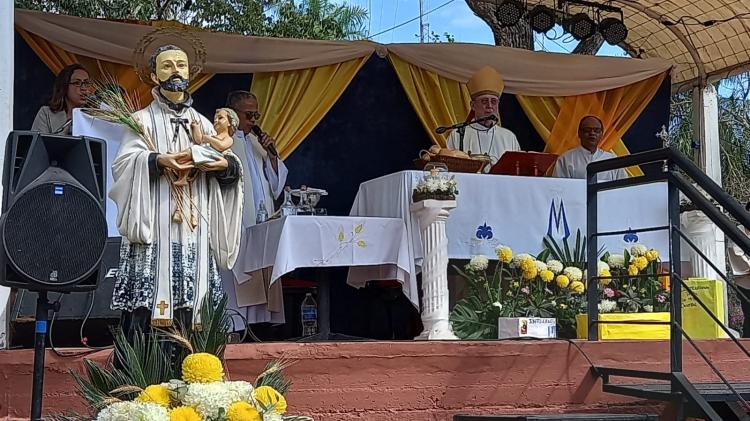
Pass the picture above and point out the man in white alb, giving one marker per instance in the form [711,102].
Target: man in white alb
[486,137]
[572,164]
[251,294]
[262,169]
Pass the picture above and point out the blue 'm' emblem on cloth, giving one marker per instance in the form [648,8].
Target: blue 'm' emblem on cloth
[558,222]
[484,231]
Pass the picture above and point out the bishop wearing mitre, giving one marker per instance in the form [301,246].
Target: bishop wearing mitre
[486,137]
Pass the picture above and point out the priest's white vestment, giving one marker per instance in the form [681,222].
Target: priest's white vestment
[166,265]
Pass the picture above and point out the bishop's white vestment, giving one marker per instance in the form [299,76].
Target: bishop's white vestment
[478,139]
[165,265]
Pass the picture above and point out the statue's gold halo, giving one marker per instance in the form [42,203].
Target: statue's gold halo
[189,43]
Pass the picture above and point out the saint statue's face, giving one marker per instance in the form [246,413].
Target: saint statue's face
[172,72]
[484,105]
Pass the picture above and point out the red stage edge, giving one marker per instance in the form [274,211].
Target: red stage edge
[419,381]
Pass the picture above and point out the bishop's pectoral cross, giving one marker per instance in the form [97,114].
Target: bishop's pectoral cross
[162,306]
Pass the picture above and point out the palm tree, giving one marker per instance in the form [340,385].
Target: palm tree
[318,19]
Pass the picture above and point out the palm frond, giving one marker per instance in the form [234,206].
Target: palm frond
[274,377]
[214,329]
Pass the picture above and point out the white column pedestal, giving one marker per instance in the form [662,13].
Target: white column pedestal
[432,215]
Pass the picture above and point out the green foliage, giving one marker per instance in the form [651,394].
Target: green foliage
[147,358]
[734,131]
[575,257]
[506,292]
[472,319]
[310,19]
[273,376]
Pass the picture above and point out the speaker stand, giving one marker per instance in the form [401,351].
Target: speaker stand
[43,306]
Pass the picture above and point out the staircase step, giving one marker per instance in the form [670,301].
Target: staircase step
[712,392]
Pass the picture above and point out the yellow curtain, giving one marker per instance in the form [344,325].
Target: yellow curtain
[438,101]
[293,102]
[56,58]
[556,118]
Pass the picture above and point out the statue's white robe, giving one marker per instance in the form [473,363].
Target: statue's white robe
[165,265]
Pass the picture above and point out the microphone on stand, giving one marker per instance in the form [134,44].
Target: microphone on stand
[259,133]
[443,129]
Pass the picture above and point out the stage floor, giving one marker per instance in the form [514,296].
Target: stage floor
[420,381]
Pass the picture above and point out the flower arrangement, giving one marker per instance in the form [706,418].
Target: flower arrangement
[145,383]
[435,186]
[636,284]
[518,285]
[553,284]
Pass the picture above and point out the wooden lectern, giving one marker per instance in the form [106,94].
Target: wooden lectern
[533,164]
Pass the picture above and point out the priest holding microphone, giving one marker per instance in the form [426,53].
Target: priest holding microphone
[485,136]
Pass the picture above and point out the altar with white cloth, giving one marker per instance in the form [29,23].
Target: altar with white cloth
[373,249]
[519,211]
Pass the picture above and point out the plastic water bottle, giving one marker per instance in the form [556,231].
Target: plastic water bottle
[309,315]
[262,215]
[288,207]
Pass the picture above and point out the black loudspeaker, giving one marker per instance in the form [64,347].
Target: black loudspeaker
[53,227]
[79,305]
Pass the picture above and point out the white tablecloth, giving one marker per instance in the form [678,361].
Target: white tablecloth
[372,248]
[519,211]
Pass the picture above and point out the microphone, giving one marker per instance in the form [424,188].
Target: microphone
[258,132]
[443,129]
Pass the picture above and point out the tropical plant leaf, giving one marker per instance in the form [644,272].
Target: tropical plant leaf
[551,245]
[566,248]
[468,323]
[214,329]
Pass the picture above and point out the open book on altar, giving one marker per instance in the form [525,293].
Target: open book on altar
[532,164]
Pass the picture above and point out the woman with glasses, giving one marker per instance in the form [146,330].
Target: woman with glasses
[71,90]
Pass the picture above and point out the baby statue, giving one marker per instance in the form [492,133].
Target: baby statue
[208,147]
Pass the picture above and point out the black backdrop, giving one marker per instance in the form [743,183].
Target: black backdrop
[371,131]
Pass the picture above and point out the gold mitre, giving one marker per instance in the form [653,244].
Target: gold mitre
[485,81]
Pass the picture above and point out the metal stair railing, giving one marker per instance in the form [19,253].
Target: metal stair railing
[681,390]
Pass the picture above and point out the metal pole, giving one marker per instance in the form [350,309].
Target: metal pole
[592,245]
[675,310]
[421,23]
[43,307]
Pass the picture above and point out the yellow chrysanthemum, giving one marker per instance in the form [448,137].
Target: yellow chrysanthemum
[185,413]
[202,368]
[529,274]
[155,393]
[268,396]
[243,411]
[640,262]
[546,275]
[504,254]
[562,281]
[652,255]
[605,281]
[527,265]
[577,287]
[632,270]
